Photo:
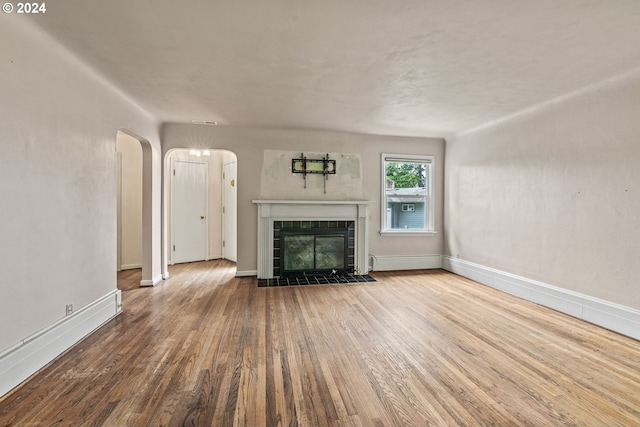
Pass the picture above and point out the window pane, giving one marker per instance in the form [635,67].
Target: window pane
[406,174]
[406,185]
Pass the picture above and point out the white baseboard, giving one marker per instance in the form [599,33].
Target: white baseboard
[130,266]
[405,262]
[36,351]
[246,273]
[609,315]
[152,282]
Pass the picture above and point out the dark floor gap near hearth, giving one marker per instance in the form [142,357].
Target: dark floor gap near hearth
[315,280]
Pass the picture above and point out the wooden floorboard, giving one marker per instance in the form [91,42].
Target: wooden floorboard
[419,348]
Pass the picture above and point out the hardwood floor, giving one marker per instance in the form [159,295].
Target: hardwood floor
[415,348]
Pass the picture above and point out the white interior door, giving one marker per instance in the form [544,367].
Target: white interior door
[230,211]
[189,182]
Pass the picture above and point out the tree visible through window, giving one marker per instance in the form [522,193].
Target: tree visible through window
[407,182]
[406,175]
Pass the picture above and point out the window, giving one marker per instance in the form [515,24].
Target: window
[407,194]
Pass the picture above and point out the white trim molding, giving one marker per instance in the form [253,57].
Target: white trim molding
[245,273]
[609,315]
[405,262]
[33,353]
[130,266]
[152,282]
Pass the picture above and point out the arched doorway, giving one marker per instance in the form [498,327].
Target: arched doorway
[129,160]
[219,226]
[135,212]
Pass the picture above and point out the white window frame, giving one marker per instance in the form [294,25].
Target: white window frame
[429,229]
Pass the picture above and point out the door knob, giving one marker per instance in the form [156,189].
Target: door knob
[202,217]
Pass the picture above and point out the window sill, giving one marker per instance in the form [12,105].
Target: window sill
[402,232]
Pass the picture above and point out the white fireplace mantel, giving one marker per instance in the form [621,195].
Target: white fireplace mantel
[310,210]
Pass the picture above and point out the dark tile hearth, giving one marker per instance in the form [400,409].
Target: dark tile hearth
[314,280]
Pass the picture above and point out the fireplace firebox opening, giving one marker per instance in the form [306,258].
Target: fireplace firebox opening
[303,248]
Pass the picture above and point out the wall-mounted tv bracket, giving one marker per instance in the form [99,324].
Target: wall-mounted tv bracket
[322,166]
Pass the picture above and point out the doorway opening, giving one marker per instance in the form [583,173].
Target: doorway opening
[134,211]
[202,205]
[129,163]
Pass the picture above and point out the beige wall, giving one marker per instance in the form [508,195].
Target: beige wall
[249,144]
[59,121]
[130,215]
[554,194]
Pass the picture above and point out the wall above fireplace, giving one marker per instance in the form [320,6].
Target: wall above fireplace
[306,210]
[278,181]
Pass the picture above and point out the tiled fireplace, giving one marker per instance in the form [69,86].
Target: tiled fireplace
[338,229]
[313,248]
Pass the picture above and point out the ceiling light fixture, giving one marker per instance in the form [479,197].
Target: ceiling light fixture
[204,122]
[199,153]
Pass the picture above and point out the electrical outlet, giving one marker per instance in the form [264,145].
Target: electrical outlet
[69,309]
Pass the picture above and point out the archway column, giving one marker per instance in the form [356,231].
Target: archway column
[151,212]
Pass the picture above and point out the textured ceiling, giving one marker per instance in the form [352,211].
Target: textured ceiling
[411,67]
